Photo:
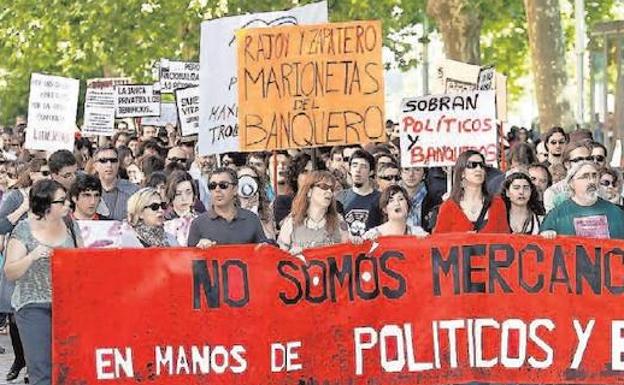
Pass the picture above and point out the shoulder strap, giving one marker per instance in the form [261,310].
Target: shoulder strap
[479,224]
[70,225]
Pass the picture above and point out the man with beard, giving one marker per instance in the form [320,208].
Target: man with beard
[584,214]
[361,202]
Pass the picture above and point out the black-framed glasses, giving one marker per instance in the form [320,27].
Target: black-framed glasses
[59,201]
[389,178]
[598,158]
[108,160]
[607,183]
[472,165]
[155,206]
[222,185]
[177,160]
[582,158]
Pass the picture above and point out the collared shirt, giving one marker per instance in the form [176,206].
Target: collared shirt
[244,228]
[114,203]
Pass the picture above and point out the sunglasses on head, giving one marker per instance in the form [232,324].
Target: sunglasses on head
[222,185]
[472,165]
[108,160]
[156,206]
[388,178]
[324,186]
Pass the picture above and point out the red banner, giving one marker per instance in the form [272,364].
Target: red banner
[447,309]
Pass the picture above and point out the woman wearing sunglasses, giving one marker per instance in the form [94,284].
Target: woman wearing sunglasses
[28,264]
[470,208]
[146,215]
[524,208]
[314,220]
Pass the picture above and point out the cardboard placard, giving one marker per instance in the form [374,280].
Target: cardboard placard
[218,70]
[436,129]
[187,101]
[51,113]
[136,100]
[99,107]
[175,75]
[309,86]
[168,115]
[449,309]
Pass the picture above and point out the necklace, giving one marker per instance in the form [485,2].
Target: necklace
[315,225]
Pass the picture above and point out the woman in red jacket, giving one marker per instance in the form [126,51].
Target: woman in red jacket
[470,208]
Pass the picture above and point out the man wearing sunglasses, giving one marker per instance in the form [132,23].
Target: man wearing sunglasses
[224,222]
[555,141]
[574,152]
[388,174]
[599,154]
[177,155]
[115,191]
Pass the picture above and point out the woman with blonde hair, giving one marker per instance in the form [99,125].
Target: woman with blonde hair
[146,215]
[313,220]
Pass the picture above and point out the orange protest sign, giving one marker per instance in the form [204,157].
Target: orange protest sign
[309,86]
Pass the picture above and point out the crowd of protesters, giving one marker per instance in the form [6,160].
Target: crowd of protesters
[156,184]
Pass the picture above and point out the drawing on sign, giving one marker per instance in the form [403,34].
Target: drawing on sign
[219,89]
[297,90]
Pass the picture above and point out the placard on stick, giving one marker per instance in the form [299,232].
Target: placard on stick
[309,86]
[436,129]
[187,101]
[175,75]
[99,107]
[51,112]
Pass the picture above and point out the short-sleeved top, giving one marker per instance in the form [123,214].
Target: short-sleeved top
[361,212]
[244,228]
[602,220]
[34,285]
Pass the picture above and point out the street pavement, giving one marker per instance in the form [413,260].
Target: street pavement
[6,360]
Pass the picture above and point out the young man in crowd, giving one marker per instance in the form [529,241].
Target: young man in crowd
[85,194]
[115,191]
[555,141]
[224,222]
[599,154]
[148,132]
[541,178]
[258,160]
[177,155]
[413,180]
[584,214]
[388,174]
[361,202]
[63,167]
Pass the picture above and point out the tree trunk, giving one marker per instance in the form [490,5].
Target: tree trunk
[547,47]
[460,22]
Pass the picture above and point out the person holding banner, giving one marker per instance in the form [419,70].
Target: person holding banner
[146,215]
[470,208]
[314,220]
[85,194]
[181,193]
[395,206]
[584,214]
[524,207]
[28,263]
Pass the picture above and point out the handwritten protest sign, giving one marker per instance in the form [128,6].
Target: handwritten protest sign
[51,112]
[309,86]
[136,100]
[99,107]
[457,77]
[177,74]
[443,310]
[187,100]
[218,89]
[436,129]
[168,115]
